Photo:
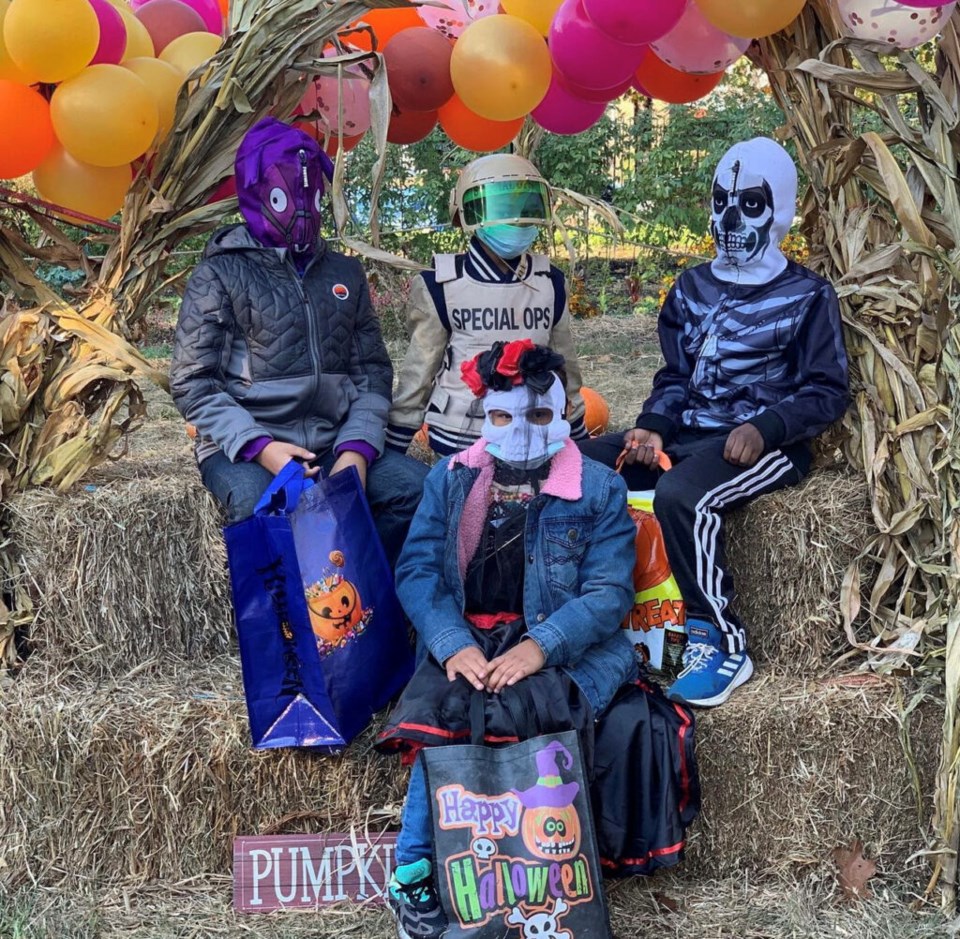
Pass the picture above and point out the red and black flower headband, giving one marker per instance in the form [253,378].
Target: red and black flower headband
[506,364]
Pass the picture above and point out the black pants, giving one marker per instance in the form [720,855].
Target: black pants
[690,504]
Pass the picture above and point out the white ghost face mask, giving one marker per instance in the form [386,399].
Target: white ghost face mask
[525,429]
[754,200]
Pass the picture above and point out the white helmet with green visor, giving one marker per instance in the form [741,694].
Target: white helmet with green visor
[504,200]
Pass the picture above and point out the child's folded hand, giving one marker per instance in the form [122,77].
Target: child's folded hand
[744,446]
[471,663]
[524,659]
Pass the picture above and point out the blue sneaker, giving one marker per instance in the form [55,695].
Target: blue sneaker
[412,899]
[709,674]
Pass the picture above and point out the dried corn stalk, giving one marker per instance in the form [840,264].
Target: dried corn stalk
[883,216]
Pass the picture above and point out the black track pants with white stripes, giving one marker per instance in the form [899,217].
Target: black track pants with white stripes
[691,501]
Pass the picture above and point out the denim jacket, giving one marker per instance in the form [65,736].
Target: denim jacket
[580,556]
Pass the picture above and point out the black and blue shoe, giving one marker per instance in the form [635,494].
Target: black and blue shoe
[412,898]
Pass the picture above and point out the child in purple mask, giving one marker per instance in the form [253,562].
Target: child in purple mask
[278,353]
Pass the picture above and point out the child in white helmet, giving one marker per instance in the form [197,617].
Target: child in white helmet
[496,291]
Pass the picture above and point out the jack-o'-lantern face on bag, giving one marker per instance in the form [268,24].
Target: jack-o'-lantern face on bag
[335,608]
[552,833]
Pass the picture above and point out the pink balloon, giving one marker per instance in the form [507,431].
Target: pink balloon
[593,94]
[562,113]
[643,21]
[586,56]
[695,45]
[456,15]
[209,11]
[322,96]
[113,34]
[899,26]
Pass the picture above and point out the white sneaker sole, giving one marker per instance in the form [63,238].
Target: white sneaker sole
[743,676]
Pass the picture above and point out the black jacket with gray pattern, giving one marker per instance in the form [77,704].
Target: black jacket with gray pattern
[260,351]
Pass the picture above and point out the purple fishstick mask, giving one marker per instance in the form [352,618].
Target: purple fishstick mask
[280,182]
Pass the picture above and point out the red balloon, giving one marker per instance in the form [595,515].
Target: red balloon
[410,126]
[418,69]
[473,132]
[658,80]
[333,144]
[167,20]
[225,190]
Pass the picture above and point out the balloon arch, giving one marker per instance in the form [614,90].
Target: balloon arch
[144,105]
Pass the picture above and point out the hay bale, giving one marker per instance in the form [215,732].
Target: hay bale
[788,552]
[123,783]
[791,770]
[125,571]
[119,784]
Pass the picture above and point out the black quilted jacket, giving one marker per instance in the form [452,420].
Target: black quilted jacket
[260,351]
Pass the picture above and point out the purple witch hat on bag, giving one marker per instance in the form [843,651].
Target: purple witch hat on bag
[280,183]
[550,791]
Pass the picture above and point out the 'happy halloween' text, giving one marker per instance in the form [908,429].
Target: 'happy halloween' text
[478,895]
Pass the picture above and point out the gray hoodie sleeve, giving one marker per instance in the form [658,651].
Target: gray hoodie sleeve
[372,374]
[201,351]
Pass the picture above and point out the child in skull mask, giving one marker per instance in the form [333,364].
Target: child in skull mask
[755,367]
[495,291]
[517,570]
[278,353]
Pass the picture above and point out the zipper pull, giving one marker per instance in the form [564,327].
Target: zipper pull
[303,167]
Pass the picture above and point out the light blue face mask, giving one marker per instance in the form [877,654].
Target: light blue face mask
[508,241]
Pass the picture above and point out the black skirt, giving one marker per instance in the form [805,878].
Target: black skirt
[639,756]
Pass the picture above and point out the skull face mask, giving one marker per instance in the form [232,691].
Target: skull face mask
[522,428]
[753,204]
[280,183]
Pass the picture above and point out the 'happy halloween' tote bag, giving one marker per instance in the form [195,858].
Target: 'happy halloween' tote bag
[514,839]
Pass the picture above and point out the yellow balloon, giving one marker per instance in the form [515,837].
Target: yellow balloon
[538,13]
[9,70]
[751,19]
[93,190]
[164,82]
[190,50]
[106,116]
[501,67]
[139,44]
[52,39]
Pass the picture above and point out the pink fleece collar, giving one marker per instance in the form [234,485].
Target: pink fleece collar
[565,481]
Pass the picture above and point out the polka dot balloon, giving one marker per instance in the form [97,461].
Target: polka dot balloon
[892,22]
[695,45]
[454,16]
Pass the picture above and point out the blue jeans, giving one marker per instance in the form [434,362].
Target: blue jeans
[415,840]
[394,486]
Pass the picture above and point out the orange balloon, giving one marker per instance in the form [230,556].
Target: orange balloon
[472,132]
[665,83]
[106,116]
[224,8]
[333,144]
[164,81]
[597,416]
[52,39]
[751,19]
[26,133]
[97,191]
[385,25]
[9,70]
[191,50]
[501,67]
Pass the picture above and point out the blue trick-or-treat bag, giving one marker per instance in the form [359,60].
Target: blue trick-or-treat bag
[322,637]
